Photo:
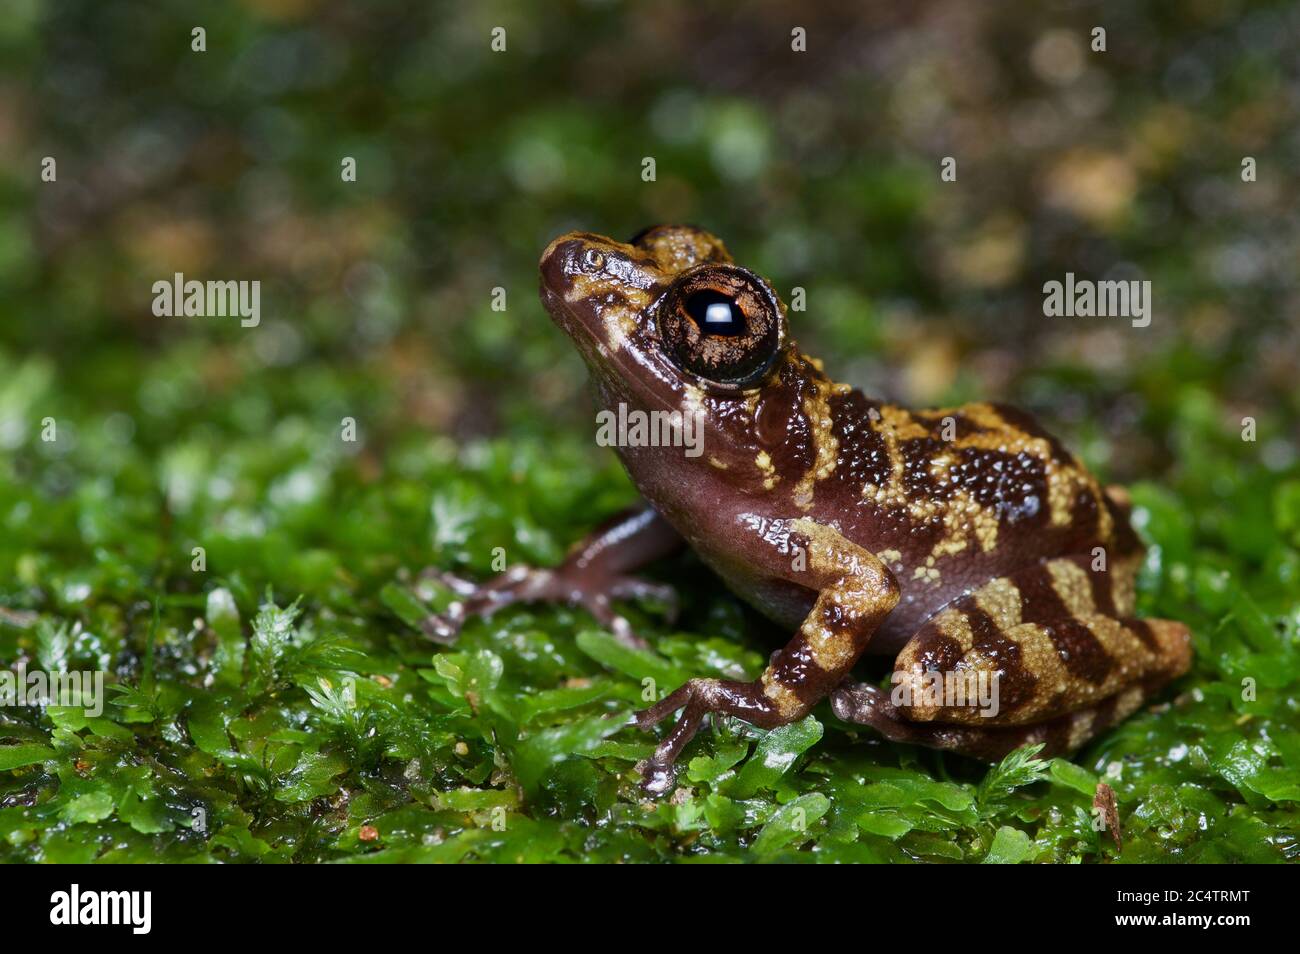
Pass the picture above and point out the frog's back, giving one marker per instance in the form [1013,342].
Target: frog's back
[951,498]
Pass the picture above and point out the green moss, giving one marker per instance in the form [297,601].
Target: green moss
[282,705]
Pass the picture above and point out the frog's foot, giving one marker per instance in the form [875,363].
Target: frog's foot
[566,584]
[865,704]
[698,698]
[851,602]
[594,574]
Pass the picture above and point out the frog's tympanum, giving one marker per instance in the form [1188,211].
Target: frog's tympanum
[967,542]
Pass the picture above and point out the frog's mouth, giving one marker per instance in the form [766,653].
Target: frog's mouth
[627,374]
[555,282]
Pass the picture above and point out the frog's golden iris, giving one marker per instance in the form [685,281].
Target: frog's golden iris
[721,323]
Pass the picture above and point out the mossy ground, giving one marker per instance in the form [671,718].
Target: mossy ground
[285,695]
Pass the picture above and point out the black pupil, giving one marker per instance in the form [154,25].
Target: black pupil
[715,314]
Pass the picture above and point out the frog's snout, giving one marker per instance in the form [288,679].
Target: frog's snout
[559,265]
[584,274]
[560,262]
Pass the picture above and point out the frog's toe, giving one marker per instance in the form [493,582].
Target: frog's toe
[699,698]
[657,772]
[622,631]
[636,588]
[524,584]
[596,599]
[656,778]
[598,606]
[457,584]
[651,716]
[518,584]
[442,627]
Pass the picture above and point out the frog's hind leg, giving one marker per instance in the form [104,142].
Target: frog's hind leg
[1037,656]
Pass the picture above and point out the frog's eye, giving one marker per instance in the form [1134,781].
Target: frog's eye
[722,323]
[715,313]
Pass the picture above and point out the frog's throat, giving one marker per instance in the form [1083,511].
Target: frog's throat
[615,377]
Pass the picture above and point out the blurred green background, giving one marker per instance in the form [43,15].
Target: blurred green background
[819,169]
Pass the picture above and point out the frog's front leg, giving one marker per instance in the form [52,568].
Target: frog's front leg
[855,594]
[593,574]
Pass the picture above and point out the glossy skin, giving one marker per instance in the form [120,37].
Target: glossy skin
[960,540]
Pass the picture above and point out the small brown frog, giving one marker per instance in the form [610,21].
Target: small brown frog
[965,541]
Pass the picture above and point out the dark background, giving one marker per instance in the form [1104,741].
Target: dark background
[819,169]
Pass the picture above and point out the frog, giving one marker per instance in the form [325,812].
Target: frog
[966,542]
